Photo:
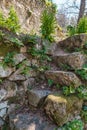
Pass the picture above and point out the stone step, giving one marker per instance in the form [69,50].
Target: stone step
[36,97]
[30,121]
[71,61]
[63,78]
[74,42]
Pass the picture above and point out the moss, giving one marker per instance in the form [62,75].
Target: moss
[5,48]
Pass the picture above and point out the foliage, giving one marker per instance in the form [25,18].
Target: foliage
[16,42]
[82,92]
[11,22]
[84,115]
[68,90]
[80,28]
[50,82]
[2,19]
[74,125]
[82,25]
[30,39]
[8,59]
[1,36]
[71,30]
[82,73]
[48,23]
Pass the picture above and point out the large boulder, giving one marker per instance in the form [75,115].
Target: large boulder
[74,42]
[73,60]
[62,109]
[63,78]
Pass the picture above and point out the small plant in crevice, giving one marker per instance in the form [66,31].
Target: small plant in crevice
[67,90]
[82,73]
[74,125]
[50,82]
[16,42]
[29,39]
[8,59]
[65,66]
[82,92]
[84,115]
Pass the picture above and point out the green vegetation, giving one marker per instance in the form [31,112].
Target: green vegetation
[48,22]
[11,22]
[74,125]
[8,59]
[80,28]
[68,90]
[82,73]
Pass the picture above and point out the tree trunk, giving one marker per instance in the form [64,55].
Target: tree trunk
[82,9]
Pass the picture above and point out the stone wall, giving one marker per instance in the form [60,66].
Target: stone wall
[28,12]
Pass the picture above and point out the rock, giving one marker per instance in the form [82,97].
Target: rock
[62,109]
[51,48]
[3,108]
[5,71]
[3,94]
[1,124]
[29,121]
[63,78]
[22,74]
[8,89]
[19,58]
[17,76]
[73,60]
[74,42]
[36,97]
[28,83]
[34,62]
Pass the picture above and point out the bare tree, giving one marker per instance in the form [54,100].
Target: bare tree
[82,9]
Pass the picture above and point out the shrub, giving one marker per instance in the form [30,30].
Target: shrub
[11,22]
[82,25]
[48,21]
[80,28]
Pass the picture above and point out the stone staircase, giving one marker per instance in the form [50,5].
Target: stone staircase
[42,101]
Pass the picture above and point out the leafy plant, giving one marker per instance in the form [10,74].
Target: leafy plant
[50,82]
[82,92]
[12,21]
[74,125]
[29,39]
[71,30]
[48,23]
[82,73]
[84,115]
[8,59]
[68,90]
[16,42]
[2,19]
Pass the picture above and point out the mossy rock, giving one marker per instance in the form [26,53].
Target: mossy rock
[62,109]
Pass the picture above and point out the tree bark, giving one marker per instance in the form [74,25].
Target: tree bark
[82,9]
